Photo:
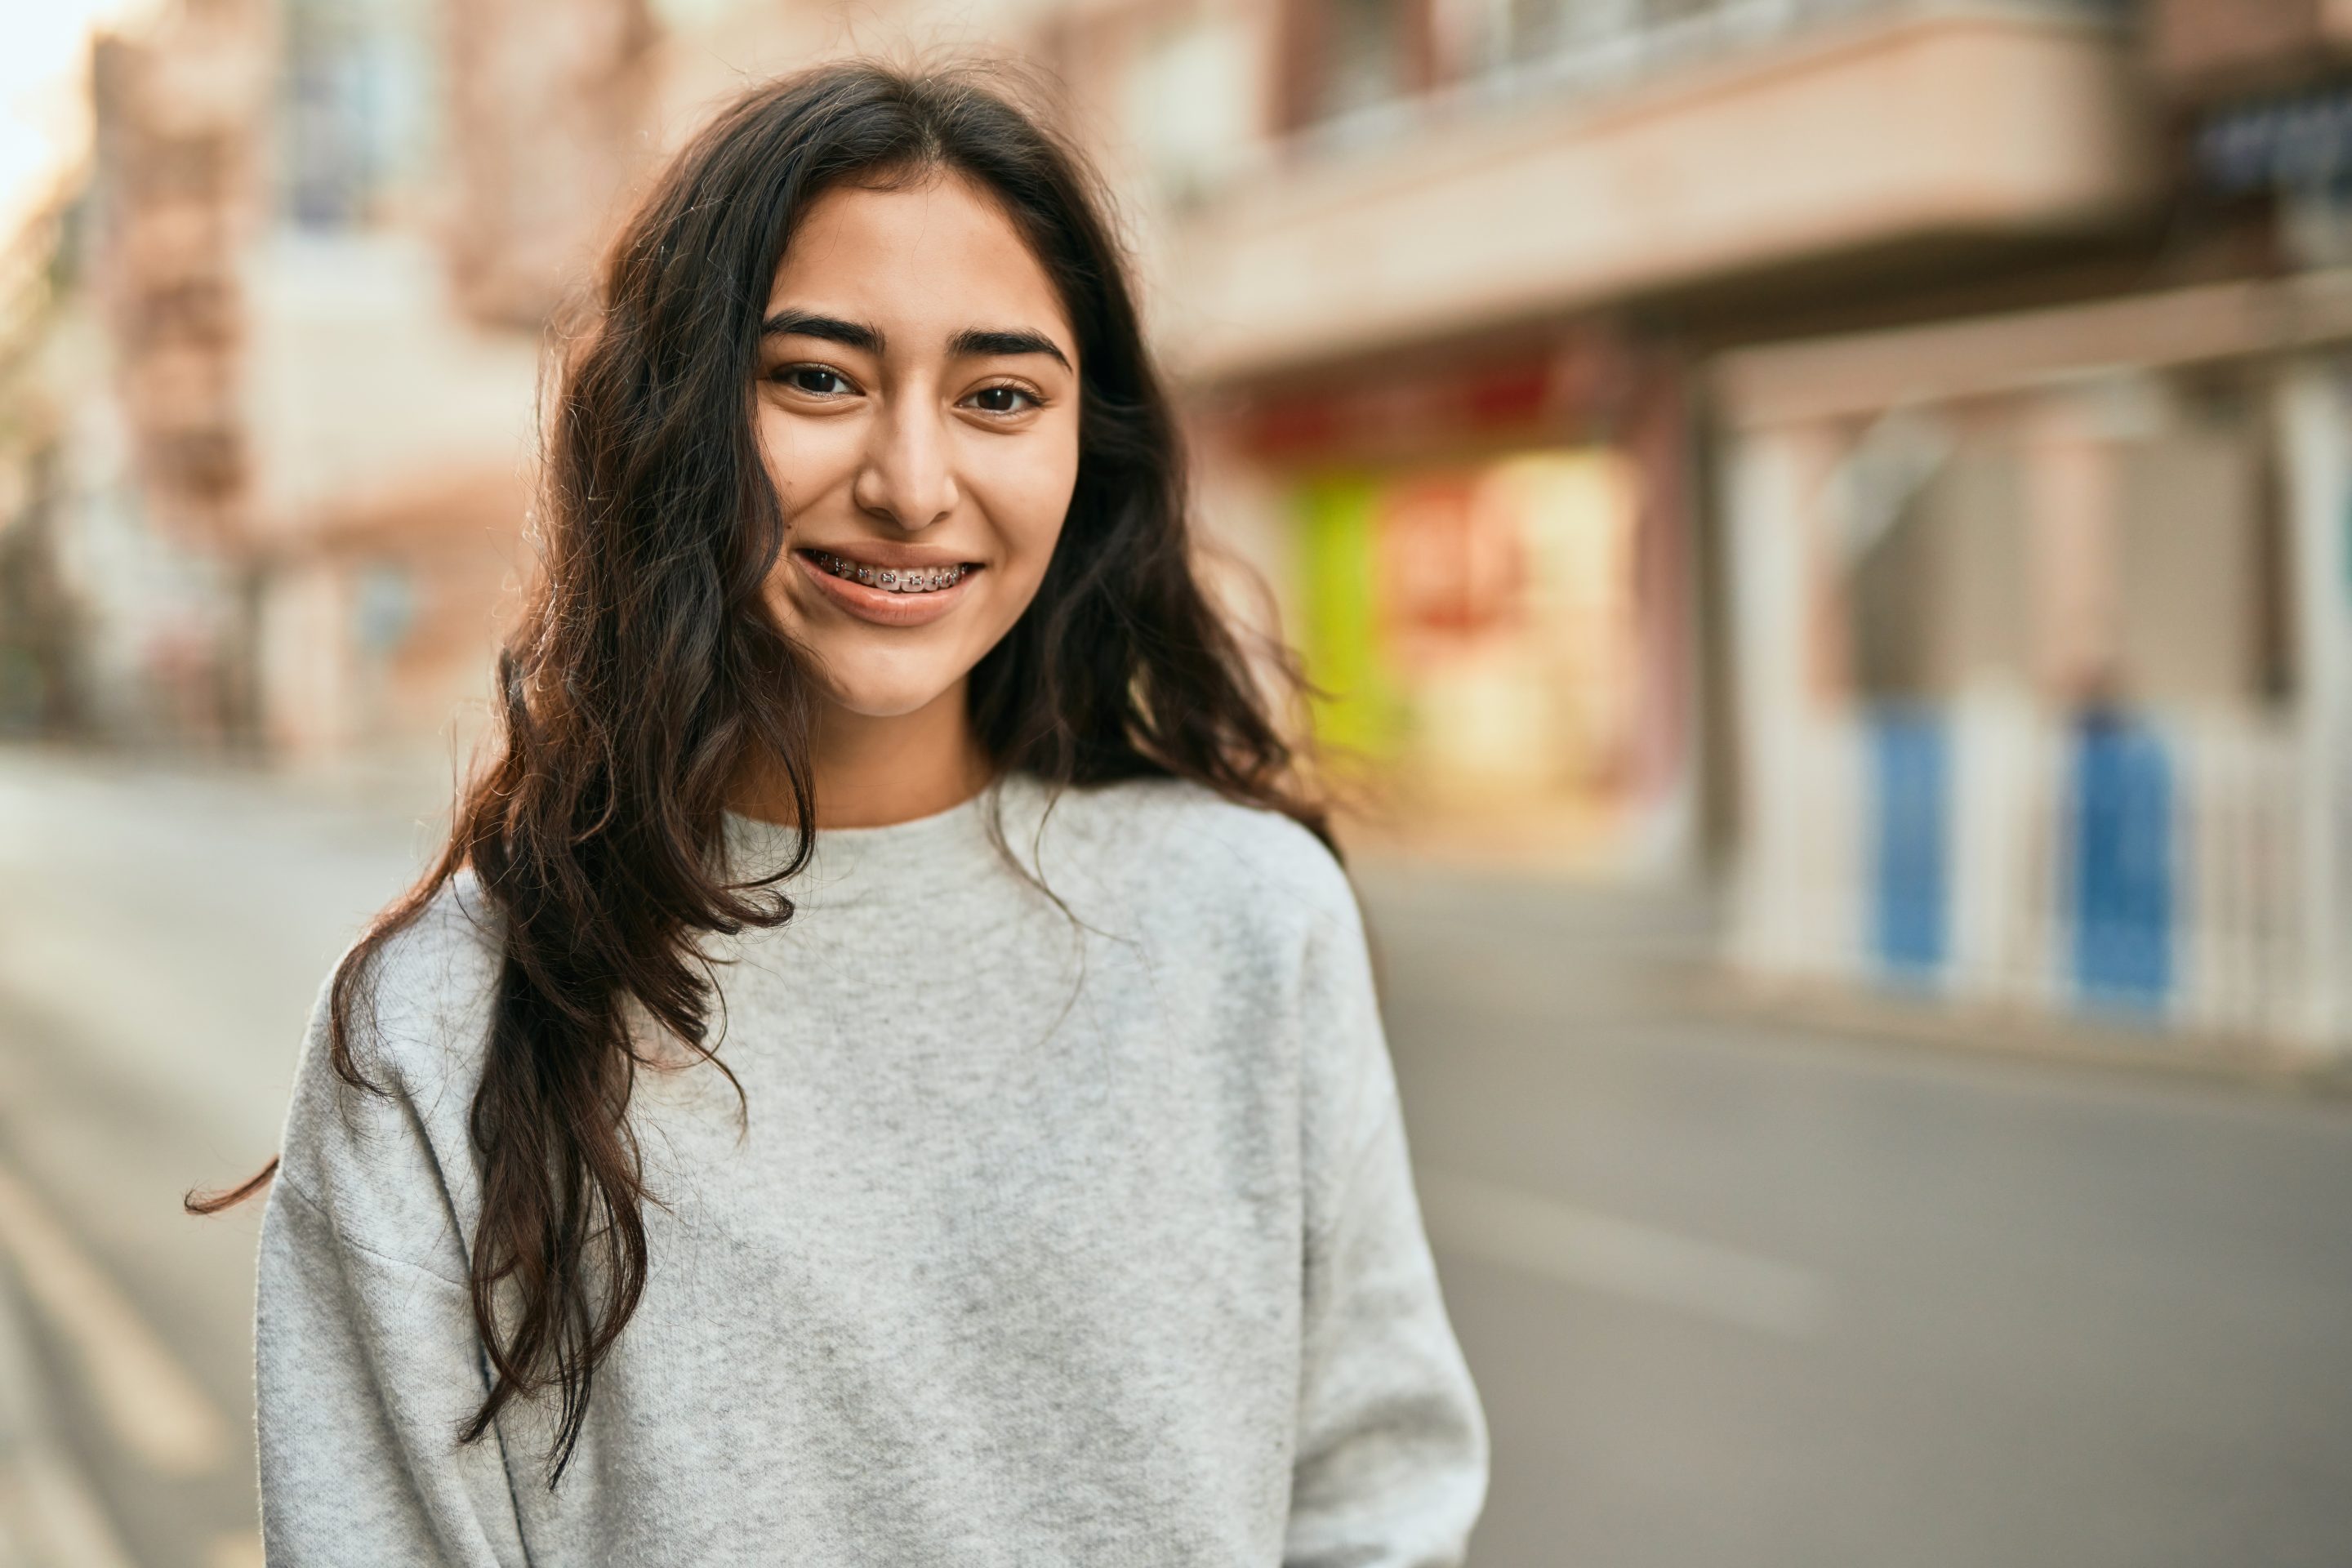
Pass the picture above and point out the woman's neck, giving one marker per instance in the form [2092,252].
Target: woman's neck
[871,773]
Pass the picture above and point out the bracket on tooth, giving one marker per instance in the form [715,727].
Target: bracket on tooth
[907,581]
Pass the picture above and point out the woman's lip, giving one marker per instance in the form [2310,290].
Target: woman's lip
[880,606]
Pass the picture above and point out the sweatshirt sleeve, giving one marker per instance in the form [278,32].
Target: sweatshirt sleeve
[366,1358]
[1391,1466]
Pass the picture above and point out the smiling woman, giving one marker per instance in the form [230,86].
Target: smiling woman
[919,416]
[870,750]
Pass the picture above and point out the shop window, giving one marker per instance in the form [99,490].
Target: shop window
[2197,554]
[1935,593]
[2185,585]
[1477,631]
[2118,543]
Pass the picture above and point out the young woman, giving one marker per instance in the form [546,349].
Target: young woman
[886,1069]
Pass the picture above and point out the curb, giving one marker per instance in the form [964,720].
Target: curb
[2014,1033]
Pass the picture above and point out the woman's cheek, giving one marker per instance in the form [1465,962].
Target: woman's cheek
[806,458]
[775,457]
[1034,492]
[1026,518]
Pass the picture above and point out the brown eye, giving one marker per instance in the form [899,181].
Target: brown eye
[815,379]
[1002,400]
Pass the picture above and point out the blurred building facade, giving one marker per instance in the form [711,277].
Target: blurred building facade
[2039,612]
[127,474]
[274,413]
[1444,281]
[1888,452]
[1897,444]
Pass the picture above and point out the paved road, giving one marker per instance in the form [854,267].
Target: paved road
[162,935]
[1735,1296]
[1790,1301]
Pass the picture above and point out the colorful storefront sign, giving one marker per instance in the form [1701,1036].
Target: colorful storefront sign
[1476,629]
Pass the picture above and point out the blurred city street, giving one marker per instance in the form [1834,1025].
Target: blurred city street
[1734,1294]
[1840,505]
[160,943]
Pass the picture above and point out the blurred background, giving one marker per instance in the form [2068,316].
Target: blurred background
[1826,529]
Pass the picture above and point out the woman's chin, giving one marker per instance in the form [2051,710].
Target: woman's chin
[886,699]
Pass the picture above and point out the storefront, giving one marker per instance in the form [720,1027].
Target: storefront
[2040,626]
[1486,565]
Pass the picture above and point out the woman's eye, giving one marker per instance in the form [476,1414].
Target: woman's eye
[1002,400]
[815,380]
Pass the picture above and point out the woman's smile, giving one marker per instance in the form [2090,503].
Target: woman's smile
[887,595]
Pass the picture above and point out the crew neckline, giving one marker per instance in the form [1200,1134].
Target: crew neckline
[853,864]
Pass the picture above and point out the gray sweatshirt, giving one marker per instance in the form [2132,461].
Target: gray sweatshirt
[1079,1236]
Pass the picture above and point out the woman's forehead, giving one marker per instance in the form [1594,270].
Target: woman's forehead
[920,262]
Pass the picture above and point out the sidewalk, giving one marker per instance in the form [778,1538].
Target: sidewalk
[1658,949]
[1857,1012]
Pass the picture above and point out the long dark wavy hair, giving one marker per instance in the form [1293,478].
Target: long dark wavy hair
[647,674]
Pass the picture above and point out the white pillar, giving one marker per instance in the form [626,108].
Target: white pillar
[1793,902]
[2311,424]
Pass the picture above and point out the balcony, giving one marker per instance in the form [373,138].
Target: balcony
[1739,138]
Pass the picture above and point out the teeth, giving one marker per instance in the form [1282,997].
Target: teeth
[911,581]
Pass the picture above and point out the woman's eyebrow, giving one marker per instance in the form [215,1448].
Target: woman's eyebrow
[973,342]
[832,329]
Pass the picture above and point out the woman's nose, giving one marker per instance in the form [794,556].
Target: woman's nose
[908,475]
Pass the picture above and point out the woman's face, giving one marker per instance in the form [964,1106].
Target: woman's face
[918,411]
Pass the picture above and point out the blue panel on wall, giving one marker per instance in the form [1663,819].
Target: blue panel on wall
[2123,863]
[1911,767]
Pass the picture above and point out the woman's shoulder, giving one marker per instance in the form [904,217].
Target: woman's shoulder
[420,998]
[387,1156]
[452,944]
[1183,842]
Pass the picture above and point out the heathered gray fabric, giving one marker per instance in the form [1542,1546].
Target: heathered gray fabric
[1049,1243]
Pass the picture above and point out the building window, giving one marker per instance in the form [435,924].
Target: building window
[358,92]
[1193,104]
[1534,28]
[1347,57]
